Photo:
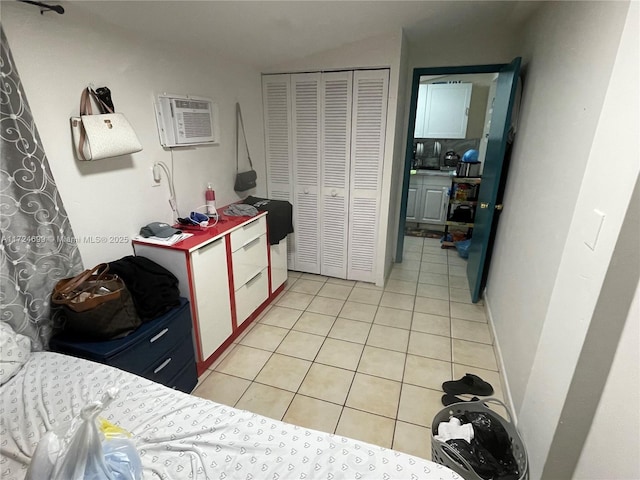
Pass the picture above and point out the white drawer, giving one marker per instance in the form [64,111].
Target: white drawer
[251,295]
[249,260]
[247,233]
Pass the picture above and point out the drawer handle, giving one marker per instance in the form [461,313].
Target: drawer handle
[158,336]
[164,364]
[249,225]
[254,277]
[246,244]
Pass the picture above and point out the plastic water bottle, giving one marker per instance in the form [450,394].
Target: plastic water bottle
[210,197]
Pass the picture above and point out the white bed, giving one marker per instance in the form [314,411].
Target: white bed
[180,436]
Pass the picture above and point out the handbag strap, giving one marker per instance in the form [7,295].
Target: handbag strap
[240,123]
[85,102]
[85,109]
[68,290]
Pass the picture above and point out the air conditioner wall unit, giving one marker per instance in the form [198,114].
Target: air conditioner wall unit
[186,120]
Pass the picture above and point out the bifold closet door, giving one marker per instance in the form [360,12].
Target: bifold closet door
[276,99]
[337,98]
[305,135]
[369,116]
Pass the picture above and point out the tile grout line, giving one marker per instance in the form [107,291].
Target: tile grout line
[346,398]
[314,362]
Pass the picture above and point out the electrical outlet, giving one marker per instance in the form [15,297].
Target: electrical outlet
[156,179]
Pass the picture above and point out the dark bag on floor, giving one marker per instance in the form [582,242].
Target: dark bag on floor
[95,305]
[154,289]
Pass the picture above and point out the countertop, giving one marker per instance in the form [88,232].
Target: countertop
[202,236]
[435,173]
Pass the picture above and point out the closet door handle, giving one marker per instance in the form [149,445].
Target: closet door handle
[334,193]
[306,191]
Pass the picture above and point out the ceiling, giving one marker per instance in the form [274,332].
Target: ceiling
[270,33]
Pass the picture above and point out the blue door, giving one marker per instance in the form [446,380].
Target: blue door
[485,221]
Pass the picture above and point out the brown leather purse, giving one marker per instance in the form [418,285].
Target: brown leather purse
[95,305]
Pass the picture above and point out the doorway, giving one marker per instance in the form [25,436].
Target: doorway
[439,115]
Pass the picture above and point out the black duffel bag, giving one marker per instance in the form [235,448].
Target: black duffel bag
[154,289]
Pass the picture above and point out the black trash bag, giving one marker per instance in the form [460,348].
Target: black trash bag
[478,458]
[490,450]
[481,461]
[491,434]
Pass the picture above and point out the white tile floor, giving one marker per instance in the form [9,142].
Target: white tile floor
[358,360]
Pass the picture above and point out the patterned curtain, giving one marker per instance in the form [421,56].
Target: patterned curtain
[37,245]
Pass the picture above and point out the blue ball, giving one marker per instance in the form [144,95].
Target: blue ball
[470,156]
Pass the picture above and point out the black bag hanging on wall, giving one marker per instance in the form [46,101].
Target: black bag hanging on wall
[244,180]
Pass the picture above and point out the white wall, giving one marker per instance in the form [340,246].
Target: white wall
[568,54]
[378,51]
[404,96]
[58,55]
[464,48]
[581,271]
[576,151]
[615,431]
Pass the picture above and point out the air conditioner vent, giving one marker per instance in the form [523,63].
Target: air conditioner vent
[185,120]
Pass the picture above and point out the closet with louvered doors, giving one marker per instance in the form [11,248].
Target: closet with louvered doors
[337,95]
[338,120]
[276,98]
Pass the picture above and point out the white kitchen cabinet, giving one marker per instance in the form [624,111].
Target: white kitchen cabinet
[443,110]
[225,273]
[433,204]
[325,147]
[429,200]
[413,200]
[421,108]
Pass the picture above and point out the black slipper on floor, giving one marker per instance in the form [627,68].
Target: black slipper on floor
[470,383]
[448,399]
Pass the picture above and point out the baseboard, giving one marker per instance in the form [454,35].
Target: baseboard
[498,352]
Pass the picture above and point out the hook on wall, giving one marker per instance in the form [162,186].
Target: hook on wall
[44,7]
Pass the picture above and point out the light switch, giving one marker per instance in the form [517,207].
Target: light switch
[592,228]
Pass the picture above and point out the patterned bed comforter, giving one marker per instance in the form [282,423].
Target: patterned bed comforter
[180,436]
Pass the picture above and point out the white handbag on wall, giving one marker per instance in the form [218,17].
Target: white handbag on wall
[103,135]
